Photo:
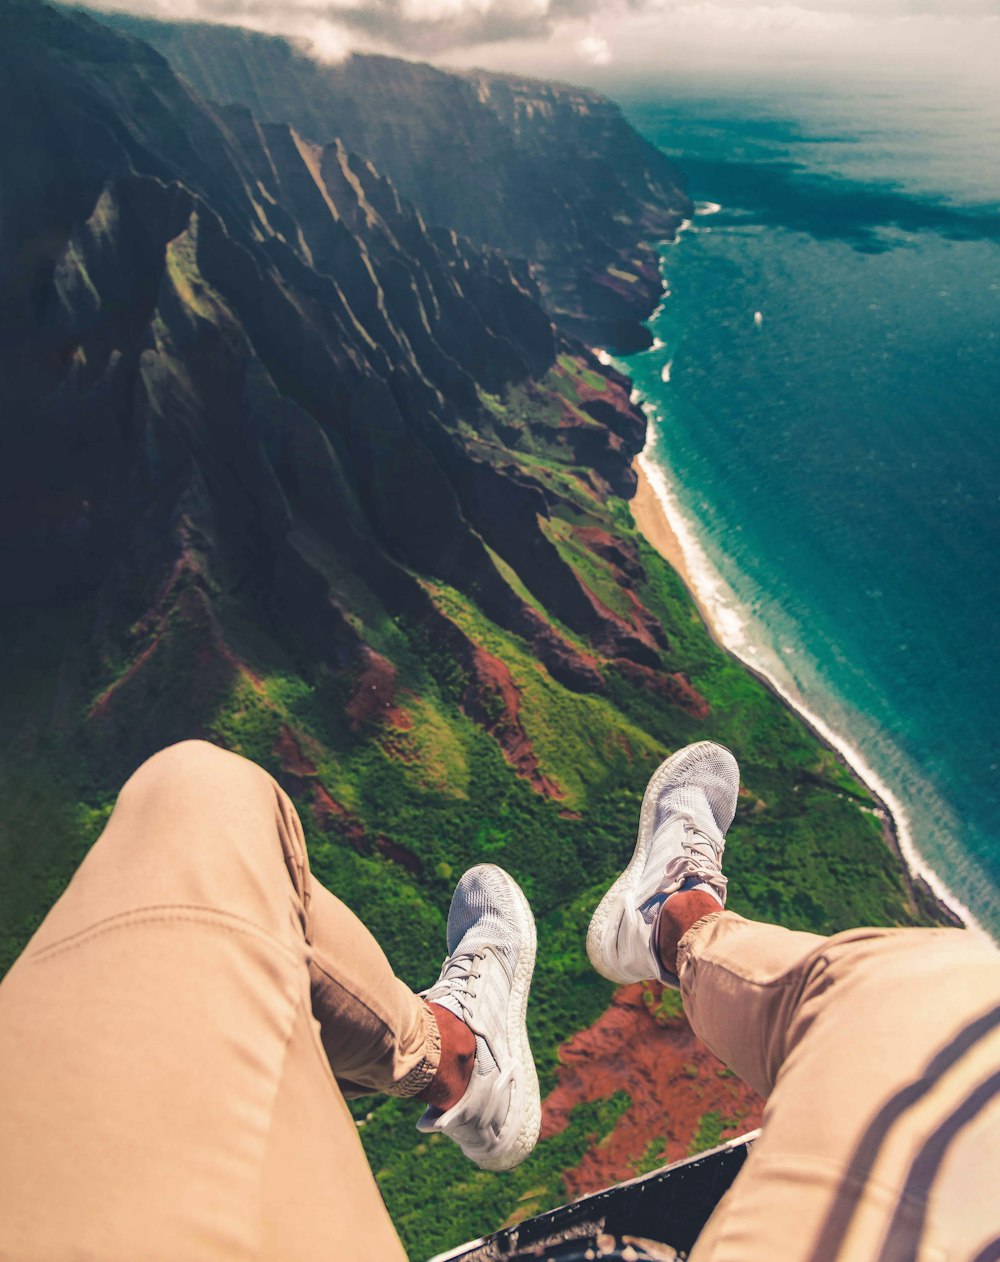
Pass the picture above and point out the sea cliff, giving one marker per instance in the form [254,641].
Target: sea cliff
[546,172]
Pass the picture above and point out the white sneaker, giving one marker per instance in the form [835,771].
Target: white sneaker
[484,982]
[688,806]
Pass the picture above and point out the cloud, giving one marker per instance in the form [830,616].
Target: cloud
[422,27]
[594,50]
[548,36]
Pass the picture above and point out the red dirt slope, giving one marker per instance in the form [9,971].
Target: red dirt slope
[672,1078]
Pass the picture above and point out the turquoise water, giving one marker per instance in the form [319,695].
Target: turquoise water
[838,454]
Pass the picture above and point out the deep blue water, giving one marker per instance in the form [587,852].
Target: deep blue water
[839,458]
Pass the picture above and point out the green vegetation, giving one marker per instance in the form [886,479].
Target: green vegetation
[598,574]
[668,1007]
[709,1133]
[412,1175]
[575,369]
[437,786]
[651,1157]
[582,742]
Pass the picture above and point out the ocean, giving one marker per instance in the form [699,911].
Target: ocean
[824,403]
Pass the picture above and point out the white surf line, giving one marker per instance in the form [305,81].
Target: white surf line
[720,607]
[685,225]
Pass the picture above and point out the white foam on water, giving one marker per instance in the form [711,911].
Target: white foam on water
[714,595]
[733,627]
[685,225]
[707,208]
[665,370]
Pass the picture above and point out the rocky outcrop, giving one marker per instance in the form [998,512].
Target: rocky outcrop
[545,172]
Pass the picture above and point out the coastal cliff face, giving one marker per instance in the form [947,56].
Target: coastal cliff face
[287,468]
[544,172]
[248,366]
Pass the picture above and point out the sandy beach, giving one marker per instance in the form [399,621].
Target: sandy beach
[654,523]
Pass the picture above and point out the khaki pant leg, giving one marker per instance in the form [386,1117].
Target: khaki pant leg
[164,1093]
[377,1034]
[880,1052]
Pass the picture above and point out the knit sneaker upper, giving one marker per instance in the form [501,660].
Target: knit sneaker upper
[484,982]
[688,807]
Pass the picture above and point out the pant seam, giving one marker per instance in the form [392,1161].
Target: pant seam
[228,921]
[380,1017]
[293,847]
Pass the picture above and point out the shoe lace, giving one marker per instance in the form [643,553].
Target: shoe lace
[700,859]
[455,981]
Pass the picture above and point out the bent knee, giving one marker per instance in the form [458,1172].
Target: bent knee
[193,765]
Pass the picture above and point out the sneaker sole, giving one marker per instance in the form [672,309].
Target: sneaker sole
[517,1037]
[597,933]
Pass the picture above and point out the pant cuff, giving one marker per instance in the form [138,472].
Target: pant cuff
[422,1073]
[689,941]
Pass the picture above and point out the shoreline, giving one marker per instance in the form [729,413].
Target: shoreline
[660,520]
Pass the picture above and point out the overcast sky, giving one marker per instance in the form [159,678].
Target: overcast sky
[609,42]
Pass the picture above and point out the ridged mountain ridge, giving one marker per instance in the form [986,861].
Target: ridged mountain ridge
[351,339]
[547,172]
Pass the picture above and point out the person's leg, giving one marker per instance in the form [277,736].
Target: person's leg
[879,1050]
[164,1092]
[377,1035]
[749,1039]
